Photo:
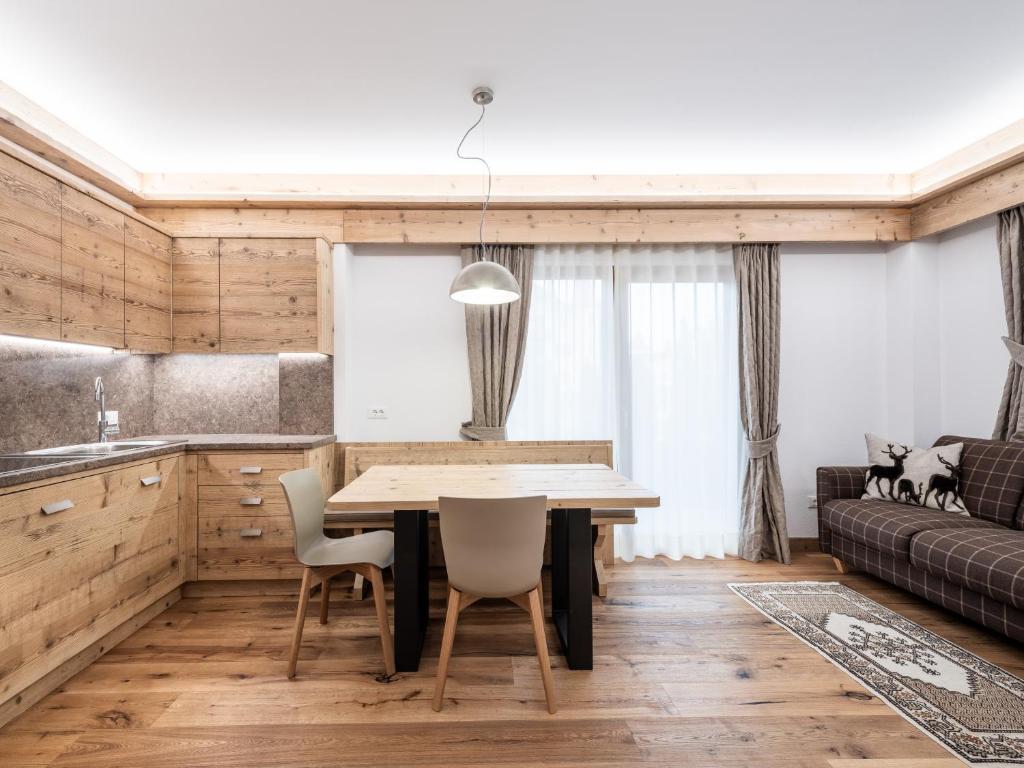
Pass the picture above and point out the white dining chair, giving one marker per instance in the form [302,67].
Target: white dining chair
[494,548]
[366,554]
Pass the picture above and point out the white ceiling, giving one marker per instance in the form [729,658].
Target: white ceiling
[637,86]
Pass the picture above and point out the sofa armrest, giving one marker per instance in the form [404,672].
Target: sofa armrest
[836,483]
[840,483]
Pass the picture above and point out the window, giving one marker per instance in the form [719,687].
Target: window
[639,345]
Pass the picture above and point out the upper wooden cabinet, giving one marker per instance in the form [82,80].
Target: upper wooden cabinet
[196,294]
[29,251]
[147,288]
[77,269]
[275,295]
[92,270]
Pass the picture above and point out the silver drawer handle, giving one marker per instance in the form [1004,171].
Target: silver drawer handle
[57,506]
[250,470]
[151,480]
[251,501]
[251,533]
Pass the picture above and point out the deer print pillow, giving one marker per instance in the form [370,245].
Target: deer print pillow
[925,477]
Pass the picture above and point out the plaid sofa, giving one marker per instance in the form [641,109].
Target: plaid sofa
[972,565]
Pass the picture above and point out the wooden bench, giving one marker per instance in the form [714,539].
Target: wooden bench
[355,458]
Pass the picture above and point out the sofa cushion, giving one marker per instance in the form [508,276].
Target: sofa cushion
[989,562]
[889,527]
[991,478]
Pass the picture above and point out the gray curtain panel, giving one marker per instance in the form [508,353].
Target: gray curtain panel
[1010,237]
[496,338]
[763,513]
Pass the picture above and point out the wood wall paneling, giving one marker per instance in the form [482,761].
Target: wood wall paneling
[29,251]
[147,288]
[325,296]
[196,294]
[92,271]
[268,295]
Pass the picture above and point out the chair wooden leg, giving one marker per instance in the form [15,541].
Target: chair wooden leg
[841,566]
[358,583]
[325,599]
[600,545]
[300,619]
[447,641]
[380,601]
[539,638]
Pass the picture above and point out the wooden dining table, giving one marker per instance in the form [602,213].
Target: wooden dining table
[573,490]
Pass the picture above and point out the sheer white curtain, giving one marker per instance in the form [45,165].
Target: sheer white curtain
[639,344]
[568,387]
[679,398]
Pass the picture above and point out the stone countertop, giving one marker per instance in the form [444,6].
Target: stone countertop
[246,442]
[178,444]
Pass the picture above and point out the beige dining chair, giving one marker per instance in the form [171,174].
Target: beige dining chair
[494,548]
[324,558]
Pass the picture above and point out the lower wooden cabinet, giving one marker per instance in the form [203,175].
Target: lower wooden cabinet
[245,529]
[244,526]
[79,558]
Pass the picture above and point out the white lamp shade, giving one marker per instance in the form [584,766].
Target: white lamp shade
[484,282]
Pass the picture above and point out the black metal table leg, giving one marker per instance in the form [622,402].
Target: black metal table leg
[572,556]
[412,587]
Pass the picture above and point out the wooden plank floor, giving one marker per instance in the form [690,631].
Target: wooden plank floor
[685,674]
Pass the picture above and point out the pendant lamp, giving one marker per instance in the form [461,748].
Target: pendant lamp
[483,282]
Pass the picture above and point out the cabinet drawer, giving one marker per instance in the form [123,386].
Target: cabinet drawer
[247,548]
[246,468]
[54,518]
[238,501]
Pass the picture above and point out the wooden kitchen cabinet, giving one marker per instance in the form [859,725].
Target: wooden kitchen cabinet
[82,557]
[92,270]
[147,288]
[29,251]
[245,529]
[195,296]
[275,295]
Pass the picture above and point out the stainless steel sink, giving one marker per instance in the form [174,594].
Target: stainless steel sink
[98,449]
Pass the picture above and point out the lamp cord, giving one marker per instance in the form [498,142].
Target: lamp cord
[487,196]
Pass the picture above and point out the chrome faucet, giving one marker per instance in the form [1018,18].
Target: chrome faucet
[101,398]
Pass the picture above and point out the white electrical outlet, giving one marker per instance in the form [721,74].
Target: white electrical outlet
[812,502]
[377,413]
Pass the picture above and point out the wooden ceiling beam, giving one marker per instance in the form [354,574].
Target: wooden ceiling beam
[250,222]
[982,178]
[981,197]
[631,225]
[28,125]
[523,191]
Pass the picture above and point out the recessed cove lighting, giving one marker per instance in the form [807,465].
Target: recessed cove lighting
[67,346]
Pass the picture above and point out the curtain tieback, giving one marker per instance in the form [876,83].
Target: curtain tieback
[758,449]
[471,432]
[1016,350]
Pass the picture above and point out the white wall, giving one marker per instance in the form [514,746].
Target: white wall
[973,359]
[902,340]
[404,344]
[833,360]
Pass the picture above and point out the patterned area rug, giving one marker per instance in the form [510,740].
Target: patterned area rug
[971,707]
